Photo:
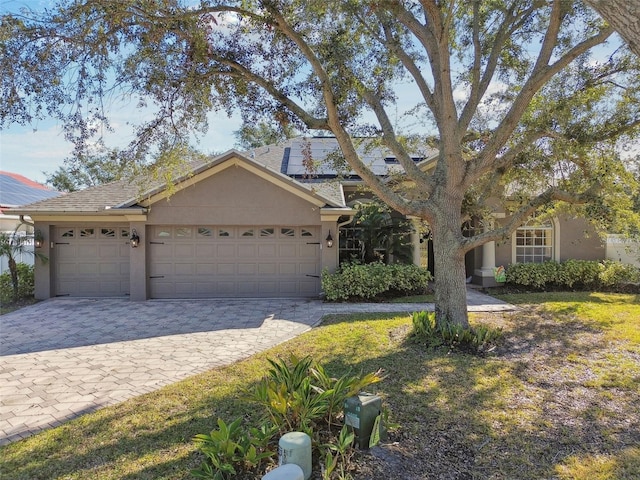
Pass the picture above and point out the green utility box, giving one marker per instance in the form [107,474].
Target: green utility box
[360,413]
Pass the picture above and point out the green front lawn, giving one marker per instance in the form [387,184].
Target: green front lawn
[557,399]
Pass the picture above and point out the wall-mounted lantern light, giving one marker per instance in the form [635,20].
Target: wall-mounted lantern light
[38,239]
[134,239]
[329,240]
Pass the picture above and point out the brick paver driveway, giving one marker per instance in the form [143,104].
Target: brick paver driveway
[65,357]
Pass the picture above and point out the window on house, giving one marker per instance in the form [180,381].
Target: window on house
[183,232]
[534,242]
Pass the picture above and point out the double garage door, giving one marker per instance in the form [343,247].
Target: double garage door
[190,261]
[232,261]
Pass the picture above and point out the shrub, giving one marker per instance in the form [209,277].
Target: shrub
[25,284]
[476,340]
[588,274]
[231,447]
[357,281]
[583,273]
[535,275]
[614,274]
[299,395]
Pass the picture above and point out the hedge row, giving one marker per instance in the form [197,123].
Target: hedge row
[368,281]
[25,284]
[573,274]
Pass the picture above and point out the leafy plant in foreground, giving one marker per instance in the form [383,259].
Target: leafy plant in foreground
[427,329]
[300,394]
[230,447]
[338,455]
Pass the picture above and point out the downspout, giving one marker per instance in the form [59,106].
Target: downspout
[345,223]
[24,222]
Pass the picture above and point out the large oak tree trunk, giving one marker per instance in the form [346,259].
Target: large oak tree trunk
[450,276]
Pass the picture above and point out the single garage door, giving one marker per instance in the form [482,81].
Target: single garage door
[229,261]
[91,261]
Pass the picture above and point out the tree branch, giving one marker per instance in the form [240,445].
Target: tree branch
[539,76]
[520,217]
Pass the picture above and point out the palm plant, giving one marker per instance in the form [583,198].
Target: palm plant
[13,245]
[378,230]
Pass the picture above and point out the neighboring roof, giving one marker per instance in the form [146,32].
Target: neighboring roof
[17,190]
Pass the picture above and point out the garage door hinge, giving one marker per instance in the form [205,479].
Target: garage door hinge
[314,276]
[156,276]
[62,243]
[313,243]
[156,243]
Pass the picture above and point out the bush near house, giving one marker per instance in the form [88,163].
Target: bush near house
[574,274]
[374,280]
[25,284]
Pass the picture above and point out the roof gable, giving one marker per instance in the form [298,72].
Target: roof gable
[125,195]
[230,159]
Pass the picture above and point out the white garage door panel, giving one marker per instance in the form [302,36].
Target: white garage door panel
[227,261]
[246,251]
[91,261]
[267,269]
[308,268]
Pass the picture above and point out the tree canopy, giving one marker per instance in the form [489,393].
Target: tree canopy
[528,102]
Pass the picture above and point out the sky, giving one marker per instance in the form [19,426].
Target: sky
[33,150]
[38,149]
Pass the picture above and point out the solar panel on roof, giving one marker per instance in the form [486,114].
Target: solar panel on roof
[320,148]
[15,193]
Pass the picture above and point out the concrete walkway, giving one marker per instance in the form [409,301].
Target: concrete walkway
[65,357]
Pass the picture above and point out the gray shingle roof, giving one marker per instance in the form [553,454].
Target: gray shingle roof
[125,194]
[285,160]
[93,199]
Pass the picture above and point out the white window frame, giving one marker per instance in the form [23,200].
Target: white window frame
[552,227]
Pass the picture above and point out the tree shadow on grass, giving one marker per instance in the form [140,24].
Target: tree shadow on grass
[517,414]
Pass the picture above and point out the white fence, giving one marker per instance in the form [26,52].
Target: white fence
[623,250]
[24,257]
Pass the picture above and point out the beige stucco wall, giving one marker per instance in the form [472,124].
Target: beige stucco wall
[578,239]
[575,238]
[234,196]
[43,272]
